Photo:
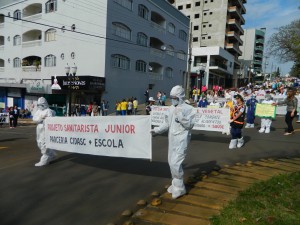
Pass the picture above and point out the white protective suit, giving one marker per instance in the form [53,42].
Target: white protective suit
[39,116]
[179,121]
[266,122]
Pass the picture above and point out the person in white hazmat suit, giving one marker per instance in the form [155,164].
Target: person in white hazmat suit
[266,121]
[39,117]
[179,121]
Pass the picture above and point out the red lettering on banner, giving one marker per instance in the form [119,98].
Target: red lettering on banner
[83,128]
[120,129]
[55,127]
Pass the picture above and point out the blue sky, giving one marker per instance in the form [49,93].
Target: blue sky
[271,14]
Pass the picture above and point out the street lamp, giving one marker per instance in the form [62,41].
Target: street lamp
[70,76]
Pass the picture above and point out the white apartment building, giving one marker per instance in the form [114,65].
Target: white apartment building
[119,48]
[253,52]
[216,27]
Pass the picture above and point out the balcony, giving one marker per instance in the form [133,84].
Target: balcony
[238,3]
[259,42]
[234,35]
[235,25]
[233,48]
[158,28]
[218,65]
[31,68]
[158,53]
[31,44]
[257,62]
[235,12]
[155,76]
[259,49]
[32,18]
[32,12]
[258,56]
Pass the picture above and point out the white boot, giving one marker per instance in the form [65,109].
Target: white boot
[233,143]
[268,125]
[247,125]
[261,130]
[46,159]
[170,189]
[252,125]
[240,142]
[178,188]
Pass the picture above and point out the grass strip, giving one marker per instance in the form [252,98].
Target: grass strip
[276,202]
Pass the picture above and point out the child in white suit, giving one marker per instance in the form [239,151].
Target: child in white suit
[266,121]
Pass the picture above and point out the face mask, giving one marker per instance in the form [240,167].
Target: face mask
[41,107]
[174,102]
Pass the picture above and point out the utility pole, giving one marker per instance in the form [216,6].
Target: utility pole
[188,80]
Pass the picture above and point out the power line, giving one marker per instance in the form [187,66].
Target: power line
[83,33]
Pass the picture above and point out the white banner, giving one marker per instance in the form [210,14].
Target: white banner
[118,136]
[158,114]
[210,119]
[4,118]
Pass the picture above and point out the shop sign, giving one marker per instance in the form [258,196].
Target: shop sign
[37,86]
[78,83]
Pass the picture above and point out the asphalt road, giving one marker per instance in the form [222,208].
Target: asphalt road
[92,190]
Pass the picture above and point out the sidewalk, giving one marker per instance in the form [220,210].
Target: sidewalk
[208,194]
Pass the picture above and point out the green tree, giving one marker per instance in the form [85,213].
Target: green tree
[285,44]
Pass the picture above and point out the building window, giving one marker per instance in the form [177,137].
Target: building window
[196,27]
[195,39]
[17,63]
[210,13]
[140,66]
[171,28]
[180,7]
[143,12]
[170,50]
[197,3]
[120,61]
[209,25]
[51,6]
[50,61]
[196,16]
[122,31]
[181,55]
[182,35]
[17,15]
[125,3]
[188,6]
[205,2]
[205,14]
[17,40]
[169,72]
[50,35]
[211,0]
[142,39]
[204,25]
[209,37]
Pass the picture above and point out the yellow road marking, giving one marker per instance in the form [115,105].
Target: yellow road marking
[2,148]
[297,130]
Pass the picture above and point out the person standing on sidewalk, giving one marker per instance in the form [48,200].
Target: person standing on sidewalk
[16,116]
[292,104]
[179,121]
[237,123]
